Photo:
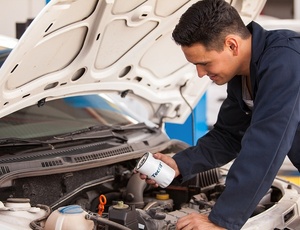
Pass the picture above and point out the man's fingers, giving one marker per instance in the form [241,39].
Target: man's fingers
[151,182]
[143,176]
[148,180]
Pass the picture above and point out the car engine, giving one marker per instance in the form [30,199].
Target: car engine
[114,197]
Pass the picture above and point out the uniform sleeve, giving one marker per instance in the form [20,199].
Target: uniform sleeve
[266,142]
[222,143]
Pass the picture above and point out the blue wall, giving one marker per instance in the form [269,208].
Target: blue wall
[189,132]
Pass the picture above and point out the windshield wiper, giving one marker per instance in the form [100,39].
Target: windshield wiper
[132,127]
[12,141]
[90,133]
[7,142]
[103,131]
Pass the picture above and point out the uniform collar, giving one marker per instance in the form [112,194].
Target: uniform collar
[258,45]
[258,40]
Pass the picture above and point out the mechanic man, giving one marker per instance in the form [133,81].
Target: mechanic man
[258,123]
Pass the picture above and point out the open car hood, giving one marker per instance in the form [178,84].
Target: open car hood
[76,47]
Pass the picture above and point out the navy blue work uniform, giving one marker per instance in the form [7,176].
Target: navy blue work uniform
[258,138]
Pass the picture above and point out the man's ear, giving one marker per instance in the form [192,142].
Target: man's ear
[232,44]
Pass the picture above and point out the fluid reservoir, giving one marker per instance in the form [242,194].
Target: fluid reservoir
[123,214]
[161,199]
[70,217]
[17,213]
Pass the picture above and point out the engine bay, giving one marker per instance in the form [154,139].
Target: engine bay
[114,197]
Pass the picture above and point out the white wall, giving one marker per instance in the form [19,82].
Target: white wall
[12,11]
[296,9]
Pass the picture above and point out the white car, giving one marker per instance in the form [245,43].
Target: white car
[84,94]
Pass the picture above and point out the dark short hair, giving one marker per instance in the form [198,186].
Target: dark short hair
[208,22]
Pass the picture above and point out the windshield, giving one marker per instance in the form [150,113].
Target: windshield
[4,52]
[63,116]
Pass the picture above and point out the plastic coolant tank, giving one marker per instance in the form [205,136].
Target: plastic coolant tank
[70,217]
[18,214]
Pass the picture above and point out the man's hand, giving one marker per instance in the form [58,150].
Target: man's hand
[166,159]
[196,221]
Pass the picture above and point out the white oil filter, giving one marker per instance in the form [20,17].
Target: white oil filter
[155,169]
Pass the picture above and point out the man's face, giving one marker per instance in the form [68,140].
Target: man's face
[220,67]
